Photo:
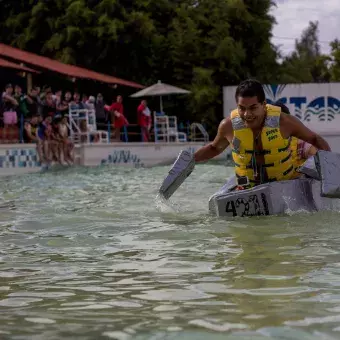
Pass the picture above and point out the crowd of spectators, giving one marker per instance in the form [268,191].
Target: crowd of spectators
[42,117]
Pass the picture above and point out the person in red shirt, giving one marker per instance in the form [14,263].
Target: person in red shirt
[116,117]
[144,120]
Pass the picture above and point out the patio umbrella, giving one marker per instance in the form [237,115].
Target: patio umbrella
[159,89]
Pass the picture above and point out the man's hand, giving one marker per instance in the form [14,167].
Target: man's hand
[294,127]
[219,144]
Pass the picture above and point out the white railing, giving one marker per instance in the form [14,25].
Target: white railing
[166,129]
[202,136]
[83,126]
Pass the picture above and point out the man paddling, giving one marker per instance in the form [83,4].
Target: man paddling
[260,136]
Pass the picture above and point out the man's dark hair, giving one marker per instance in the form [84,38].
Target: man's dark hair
[284,108]
[250,88]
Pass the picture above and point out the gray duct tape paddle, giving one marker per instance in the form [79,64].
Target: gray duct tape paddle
[328,164]
[181,169]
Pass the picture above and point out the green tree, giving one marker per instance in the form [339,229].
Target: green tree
[335,60]
[205,98]
[306,64]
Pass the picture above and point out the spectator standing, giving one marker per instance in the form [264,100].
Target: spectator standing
[49,106]
[76,104]
[144,120]
[22,100]
[40,104]
[46,89]
[84,99]
[117,118]
[64,103]
[101,115]
[57,97]
[90,103]
[33,101]
[10,118]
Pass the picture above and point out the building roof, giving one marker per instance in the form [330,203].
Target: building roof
[59,67]
[8,64]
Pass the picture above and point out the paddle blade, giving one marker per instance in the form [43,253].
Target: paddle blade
[181,169]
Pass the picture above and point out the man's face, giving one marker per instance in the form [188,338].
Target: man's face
[144,102]
[68,96]
[9,90]
[18,90]
[76,96]
[119,99]
[251,111]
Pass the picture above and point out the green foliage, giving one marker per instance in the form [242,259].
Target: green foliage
[335,60]
[307,64]
[205,98]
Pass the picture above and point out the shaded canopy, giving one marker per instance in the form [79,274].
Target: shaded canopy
[57,66]
[9,64]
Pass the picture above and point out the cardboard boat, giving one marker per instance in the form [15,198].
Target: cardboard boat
[317,189]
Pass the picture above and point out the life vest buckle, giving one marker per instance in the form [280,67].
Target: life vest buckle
[243,181]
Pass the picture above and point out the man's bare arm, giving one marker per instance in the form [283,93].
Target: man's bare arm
[297,129]
[219,144]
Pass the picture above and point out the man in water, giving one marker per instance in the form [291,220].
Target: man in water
[260,136]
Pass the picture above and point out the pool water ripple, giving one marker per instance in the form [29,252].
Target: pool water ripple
[92,254]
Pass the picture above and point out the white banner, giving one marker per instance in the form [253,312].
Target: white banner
[316,105]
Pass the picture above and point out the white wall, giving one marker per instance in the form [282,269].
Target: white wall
[135,154]
[22,158]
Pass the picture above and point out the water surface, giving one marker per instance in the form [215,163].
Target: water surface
[90,254]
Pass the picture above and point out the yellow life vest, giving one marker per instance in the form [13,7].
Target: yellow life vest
[279,164]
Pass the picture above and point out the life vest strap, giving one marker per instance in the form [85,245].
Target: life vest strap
[267,165]
[251,152]
[288,170]
[261,152]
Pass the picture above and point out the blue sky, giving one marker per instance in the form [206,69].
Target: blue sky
[292,18]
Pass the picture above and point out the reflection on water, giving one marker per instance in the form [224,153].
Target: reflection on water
[90,254]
